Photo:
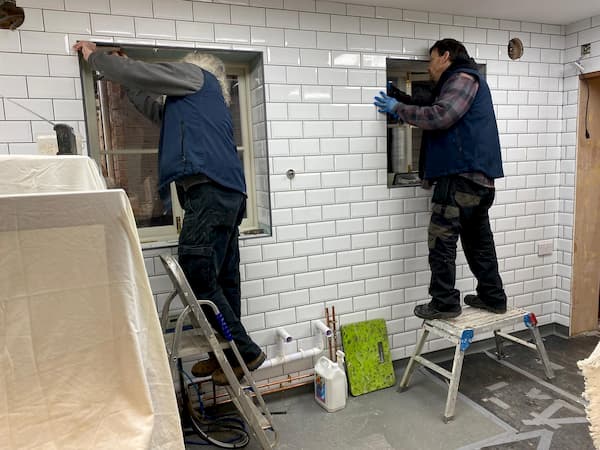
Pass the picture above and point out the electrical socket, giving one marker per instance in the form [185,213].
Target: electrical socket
[586,49]
[545,248]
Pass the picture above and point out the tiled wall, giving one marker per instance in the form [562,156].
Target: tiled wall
[340,236]
[583,32]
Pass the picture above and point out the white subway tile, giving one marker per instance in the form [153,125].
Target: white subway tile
[14,131]
[416,16]
[309,279]
[242,15]
[331,41]
[281,317]
[374,61]
[333,112]
[319,58]
[401,29]
[303,39]
[374,26]
[67,22]
[9,41]
[447,31]
[303,111]
[282,19]
[283,56]
[315,22]
[23,64]
[68,110]
[173,9]
[284,93]
[135,8]
[112,25]
[361,11]
[388,44]
[333,76]
[45,87]
[363,43]
[427,31]
[286,129]
[13,86]
[266,36]
[345,24]
[238,34]
[211,12]
[195,31]
[39,42]
[388,13]
[316,94]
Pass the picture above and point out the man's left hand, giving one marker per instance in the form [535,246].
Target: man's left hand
[85,47]
[386,104]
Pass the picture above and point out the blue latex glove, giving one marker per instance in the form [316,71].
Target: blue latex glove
[385,103]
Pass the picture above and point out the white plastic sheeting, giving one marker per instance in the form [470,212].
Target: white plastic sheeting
[23,174]
[591,373]
[82,358]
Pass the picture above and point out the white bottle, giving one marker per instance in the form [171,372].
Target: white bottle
[331,385]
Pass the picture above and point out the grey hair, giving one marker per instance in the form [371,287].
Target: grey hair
[214,65]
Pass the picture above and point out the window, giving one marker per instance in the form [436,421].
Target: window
[125,143]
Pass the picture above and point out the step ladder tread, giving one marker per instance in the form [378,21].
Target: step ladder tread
[478,320]
[192,344]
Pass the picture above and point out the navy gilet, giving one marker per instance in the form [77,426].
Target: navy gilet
[471,144]
[197,138]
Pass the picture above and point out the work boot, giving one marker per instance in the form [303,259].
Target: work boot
[476,302]
[220,379]
[205,367]
[437,310]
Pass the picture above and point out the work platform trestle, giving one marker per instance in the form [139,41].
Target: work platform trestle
[461,331]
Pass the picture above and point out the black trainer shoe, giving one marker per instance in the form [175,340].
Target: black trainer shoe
[431,310]
[220,379]
[475,302]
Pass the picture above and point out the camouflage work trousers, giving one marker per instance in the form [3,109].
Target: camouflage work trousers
[460,208]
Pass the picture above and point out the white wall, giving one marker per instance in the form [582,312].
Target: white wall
[340,236]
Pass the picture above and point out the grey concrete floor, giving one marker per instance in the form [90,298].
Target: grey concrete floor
[497,408]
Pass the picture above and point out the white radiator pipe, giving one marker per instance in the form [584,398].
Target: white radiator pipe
[323,333]
[322,328]
[283,359]
[284,335]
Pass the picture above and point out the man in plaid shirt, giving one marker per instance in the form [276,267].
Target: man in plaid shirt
[462,159]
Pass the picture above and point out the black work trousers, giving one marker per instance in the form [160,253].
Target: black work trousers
[210,257]
[460,208]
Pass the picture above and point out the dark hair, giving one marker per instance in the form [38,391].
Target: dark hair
[453,47]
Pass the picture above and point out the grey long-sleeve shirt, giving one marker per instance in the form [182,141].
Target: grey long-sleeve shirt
[146,82]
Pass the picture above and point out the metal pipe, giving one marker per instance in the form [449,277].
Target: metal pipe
[265,385]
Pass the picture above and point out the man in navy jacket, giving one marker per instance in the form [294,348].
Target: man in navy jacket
[463,159]
[197,151]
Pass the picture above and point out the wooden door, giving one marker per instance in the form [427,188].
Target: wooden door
[586,250]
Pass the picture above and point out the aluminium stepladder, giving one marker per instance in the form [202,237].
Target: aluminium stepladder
[202,339]
[461,331]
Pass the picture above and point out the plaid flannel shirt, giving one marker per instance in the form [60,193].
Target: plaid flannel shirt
[454,101]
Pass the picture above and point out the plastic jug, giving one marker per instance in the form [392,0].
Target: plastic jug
[331,385]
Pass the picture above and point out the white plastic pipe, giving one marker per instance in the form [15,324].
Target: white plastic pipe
[323,332]
[323,328]
[283,359]
[284,335]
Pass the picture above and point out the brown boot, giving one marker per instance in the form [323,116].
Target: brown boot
[205,367]
[220,379]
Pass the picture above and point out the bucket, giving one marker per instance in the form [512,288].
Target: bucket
[331,386]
